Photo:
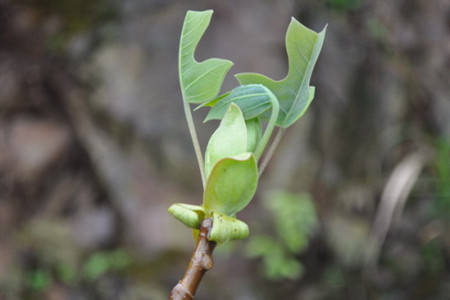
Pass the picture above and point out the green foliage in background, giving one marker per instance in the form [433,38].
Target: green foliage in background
[72,17]
[39,280]
[100,263]
[344,5]
[442,170]
[433,256]
[56,260]
[294,219]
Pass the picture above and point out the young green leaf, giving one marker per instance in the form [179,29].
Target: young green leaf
[190,215]
[231,184]
[200,81]
[229,139]
[293,92]
[226,228]
[252,99]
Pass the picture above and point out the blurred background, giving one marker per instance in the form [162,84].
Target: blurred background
[94,149]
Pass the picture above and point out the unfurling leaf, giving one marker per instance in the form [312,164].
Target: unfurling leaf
[231,184]
[293,92]
[200,81]
[190,215]
[226,228]
[229,139]
[252,99]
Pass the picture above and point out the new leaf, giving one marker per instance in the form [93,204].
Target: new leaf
[229,139]
[293,92]
[190,215]
[252,99]
[231,184]
[200,81]
[227,228]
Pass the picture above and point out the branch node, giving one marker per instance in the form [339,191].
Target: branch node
[201,261]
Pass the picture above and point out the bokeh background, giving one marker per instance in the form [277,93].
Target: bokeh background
[95,148]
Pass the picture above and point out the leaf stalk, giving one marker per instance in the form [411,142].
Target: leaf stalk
[195,142]
[271,150]
[270,126]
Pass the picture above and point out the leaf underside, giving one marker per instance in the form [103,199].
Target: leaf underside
[252,99]
[293,92]
[200,81]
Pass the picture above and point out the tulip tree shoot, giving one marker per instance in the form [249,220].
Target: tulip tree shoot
[248,114]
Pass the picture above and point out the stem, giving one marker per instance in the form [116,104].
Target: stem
[271,150]
[201,261]
[193,132]
[270,126]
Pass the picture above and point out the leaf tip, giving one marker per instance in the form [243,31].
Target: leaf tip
[233,106]
[207,119]
[206,12]
[324,30]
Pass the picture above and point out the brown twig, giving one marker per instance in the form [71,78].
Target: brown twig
[201,261]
